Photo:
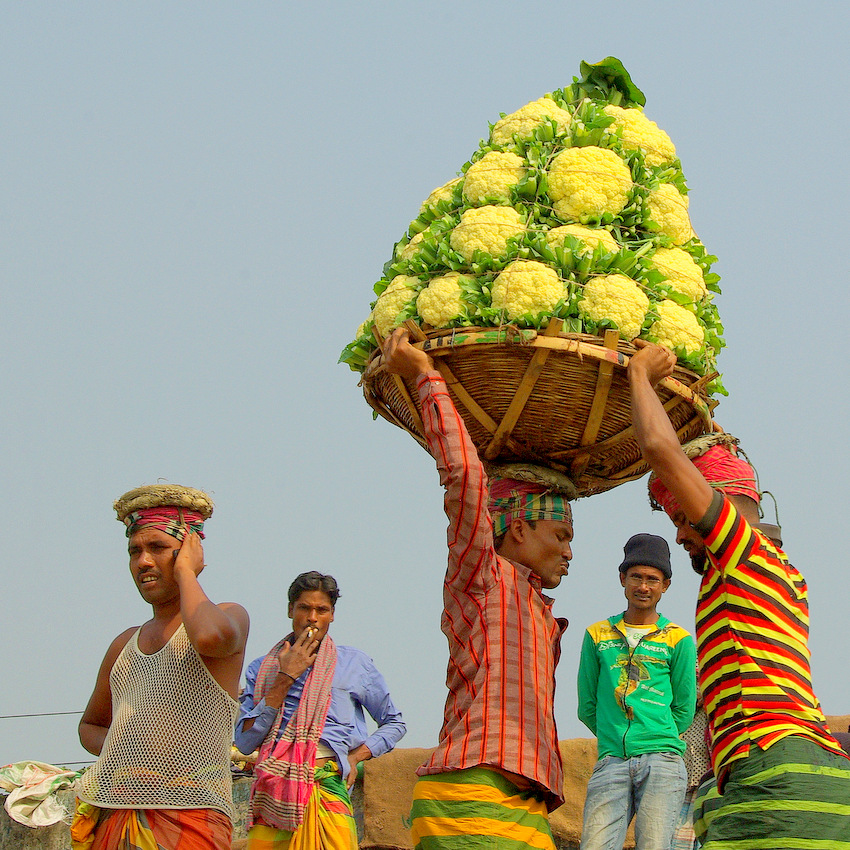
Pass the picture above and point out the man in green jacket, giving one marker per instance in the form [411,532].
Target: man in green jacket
[637,694]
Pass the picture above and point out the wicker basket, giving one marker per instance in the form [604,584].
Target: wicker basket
[555,399]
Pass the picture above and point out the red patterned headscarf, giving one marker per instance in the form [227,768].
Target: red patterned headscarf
[511,499]
[722,469]
[171,520]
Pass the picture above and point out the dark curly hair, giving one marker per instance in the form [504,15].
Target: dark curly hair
[313,580]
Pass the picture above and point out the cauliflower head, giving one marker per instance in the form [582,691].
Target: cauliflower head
[486,229]
[364,326]
[527,119]
[668,211]
[681,271]
[407,251]
[677,328]
[618,299]
[589,236]
[587,184]
[526,287]
[441,193]
[636,131]
[398,295]
[442,301]
[493,177]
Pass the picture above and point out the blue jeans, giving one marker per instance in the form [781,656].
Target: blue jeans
[651,787]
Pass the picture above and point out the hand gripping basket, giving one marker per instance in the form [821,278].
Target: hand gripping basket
[550,398]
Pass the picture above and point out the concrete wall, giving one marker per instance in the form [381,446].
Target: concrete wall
[381,802]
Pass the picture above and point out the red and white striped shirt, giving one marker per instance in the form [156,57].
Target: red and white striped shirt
[504,642]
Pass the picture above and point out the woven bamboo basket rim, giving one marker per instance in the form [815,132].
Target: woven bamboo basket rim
[592,358]
[444,341]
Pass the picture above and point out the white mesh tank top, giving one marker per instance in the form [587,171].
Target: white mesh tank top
[169,743]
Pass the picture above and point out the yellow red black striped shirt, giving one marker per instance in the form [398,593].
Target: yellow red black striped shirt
[752,642]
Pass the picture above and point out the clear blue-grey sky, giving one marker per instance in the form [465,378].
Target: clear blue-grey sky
[197,198]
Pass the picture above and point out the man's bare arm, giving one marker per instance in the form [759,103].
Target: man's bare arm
[97,718]
[216,631]
[655,435]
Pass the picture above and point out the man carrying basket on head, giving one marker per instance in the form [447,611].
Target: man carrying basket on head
[782,779]
[496,772]
[161,716]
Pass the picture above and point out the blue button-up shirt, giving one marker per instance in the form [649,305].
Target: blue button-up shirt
[357,685]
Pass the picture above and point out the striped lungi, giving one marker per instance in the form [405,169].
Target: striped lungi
[328,819]
[95,828]
[477,807]
[793,795]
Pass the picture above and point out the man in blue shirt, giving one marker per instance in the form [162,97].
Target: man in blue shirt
[303,707]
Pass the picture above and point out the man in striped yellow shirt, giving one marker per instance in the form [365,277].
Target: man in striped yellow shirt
[782,779]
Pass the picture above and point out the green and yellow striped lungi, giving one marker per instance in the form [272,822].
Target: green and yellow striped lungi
[328,820]
[477,808]
[793,796]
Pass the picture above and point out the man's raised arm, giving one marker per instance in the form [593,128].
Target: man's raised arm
[470,536]
[401,358]
[655,435]
[216,631]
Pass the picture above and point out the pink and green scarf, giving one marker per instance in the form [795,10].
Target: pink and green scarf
[284,774]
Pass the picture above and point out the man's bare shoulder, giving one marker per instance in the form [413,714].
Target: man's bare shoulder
[119,643]
[240,624]
[124,637]
[238,613]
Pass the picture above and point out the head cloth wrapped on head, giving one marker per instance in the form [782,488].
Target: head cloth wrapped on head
[512,499]
[720,466]
[171,508]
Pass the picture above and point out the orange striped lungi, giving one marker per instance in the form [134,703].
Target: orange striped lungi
[96,828]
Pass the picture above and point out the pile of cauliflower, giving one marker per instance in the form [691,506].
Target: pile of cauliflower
[575,207]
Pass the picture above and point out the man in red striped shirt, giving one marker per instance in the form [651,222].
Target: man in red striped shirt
[782,779]
[496,772]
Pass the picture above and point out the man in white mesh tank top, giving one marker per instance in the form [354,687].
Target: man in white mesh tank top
[162,711]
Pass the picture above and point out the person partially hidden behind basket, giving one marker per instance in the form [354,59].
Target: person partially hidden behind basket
[303,706]
[782,778]
[161,716]
[496,772]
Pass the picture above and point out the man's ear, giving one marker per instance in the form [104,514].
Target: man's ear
[664,585]
[516,530]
